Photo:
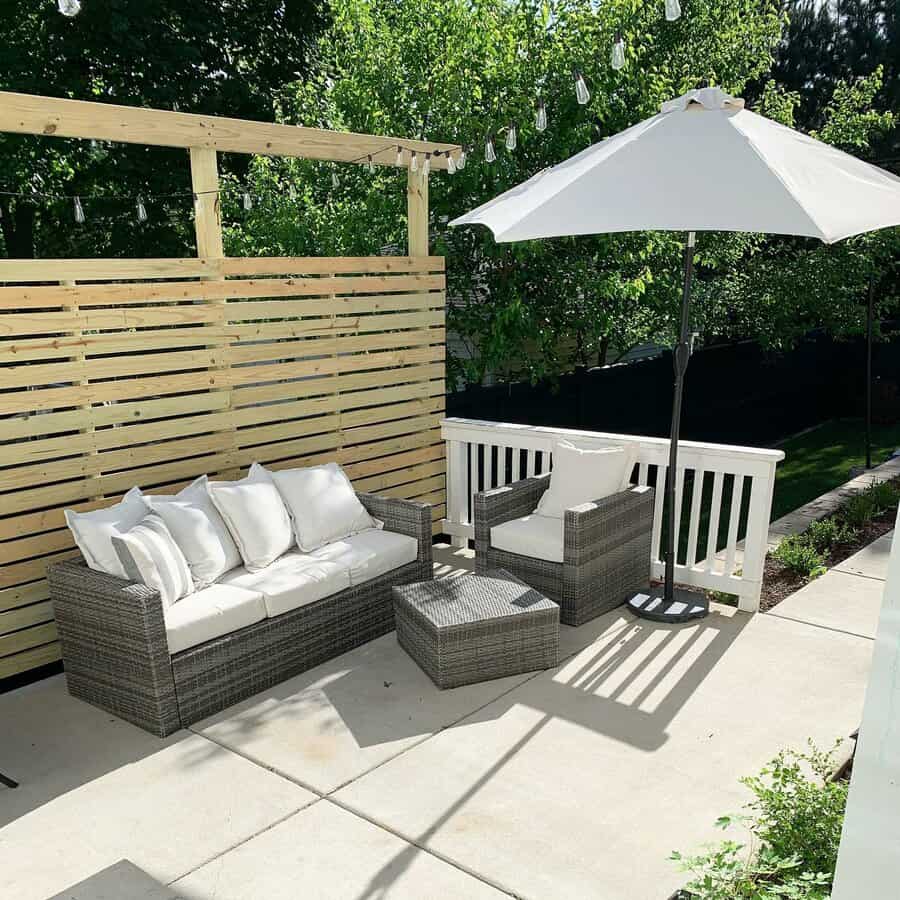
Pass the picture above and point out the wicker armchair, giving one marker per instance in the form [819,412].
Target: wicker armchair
[606,547]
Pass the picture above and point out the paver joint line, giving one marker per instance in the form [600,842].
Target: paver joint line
[855,634]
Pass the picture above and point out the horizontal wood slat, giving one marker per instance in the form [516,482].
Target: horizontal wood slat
[145,372]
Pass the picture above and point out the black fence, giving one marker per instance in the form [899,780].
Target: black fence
[735,394]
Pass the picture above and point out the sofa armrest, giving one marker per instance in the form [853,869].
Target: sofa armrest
[405,517]
[114,645]
[593,530]
[502,504]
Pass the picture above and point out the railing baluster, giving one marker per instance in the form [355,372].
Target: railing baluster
[642,473]
[530,460]
[737,492]
[658,498]
[488,466]
[712,539]
[696,502]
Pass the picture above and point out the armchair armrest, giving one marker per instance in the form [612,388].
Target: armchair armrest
[407,517]
[502,504]
[593,530]
[114,645]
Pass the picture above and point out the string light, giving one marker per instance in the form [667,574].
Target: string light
[292,193]
[335,181]
[511,136]
[461,161]
[69,8]
[79,212]
[582,94]
[617,57]
[399,160]
[540,115]
[426,166]
[141,210]
[673,10]
[247,200]
[370,165]
[413,161]
[490,154]
[451,163]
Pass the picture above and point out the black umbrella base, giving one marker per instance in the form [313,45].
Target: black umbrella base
[685,606]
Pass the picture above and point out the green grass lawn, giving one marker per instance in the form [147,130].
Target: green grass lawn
[820,459]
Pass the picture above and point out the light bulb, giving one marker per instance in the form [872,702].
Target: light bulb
[617,57]
[582,94]
[248,201]
[141,210]
[451,163]
[292,193]
[69,8]
[461,162]
[426,166]
[540,115]
[370,165]
[79,212]
[399,160]
[511,136]
[413,162]
[489,153]
[335,181]
[673,10]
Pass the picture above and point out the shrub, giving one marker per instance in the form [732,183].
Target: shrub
[795,828]
[799,554]
[826,534]
[870,503]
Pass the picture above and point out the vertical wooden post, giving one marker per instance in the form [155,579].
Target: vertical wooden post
[417,212]
[208,229]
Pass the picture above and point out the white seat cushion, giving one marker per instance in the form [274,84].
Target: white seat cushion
[540,537]
[292,580]
[210,613]
[582,475]
[370,553]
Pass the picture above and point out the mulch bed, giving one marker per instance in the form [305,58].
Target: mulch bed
[780,582]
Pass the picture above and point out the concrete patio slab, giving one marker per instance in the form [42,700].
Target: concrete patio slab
[323,853]
[121,881]
[337,721]
[95,790]
[837,600]
[630,750]
[871,561]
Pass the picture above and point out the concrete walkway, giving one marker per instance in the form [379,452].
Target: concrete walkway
[359,780]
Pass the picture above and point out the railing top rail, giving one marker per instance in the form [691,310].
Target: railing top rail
[453,426]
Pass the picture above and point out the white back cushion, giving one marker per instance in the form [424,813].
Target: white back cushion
[580,476]
[198,530]
[93,531]
[323,505]
[149,555]
[255,515]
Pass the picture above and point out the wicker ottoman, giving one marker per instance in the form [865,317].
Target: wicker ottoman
[476,627]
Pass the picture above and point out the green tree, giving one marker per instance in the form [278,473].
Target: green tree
[461,70]
[225,57]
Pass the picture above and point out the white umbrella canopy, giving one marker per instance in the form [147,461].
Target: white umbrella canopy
[704,163]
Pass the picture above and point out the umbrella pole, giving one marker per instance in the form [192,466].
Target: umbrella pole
[669,605]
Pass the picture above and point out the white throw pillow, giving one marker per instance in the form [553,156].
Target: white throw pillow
[255,515]
[580,476]
[323,505]
[199,531]
[149,555]
[93,531]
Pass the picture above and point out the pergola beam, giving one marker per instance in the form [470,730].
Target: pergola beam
[55,117]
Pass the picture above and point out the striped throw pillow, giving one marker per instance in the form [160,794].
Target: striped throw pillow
[150,556]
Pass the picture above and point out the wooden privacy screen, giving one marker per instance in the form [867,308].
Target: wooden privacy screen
[152,372]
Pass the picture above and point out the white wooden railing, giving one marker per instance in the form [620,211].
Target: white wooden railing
[712,555]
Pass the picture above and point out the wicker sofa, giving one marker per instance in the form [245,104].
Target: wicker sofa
[605,552]
[116,650]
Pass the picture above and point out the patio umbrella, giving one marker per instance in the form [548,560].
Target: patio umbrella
[703,163]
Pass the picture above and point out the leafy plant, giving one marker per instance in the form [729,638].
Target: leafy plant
[872,502]
[829,533]
[800,555]
[794,825]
